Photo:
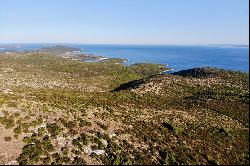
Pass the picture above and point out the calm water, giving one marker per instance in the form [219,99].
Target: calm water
[176,57]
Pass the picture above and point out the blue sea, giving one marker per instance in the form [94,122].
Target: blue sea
[230,57]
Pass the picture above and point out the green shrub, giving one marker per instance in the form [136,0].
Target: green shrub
[46,160]
[18,130]
[53,128]
[23,159]
[70,125]
[84,139]
[25,127]
[167,157]
[47,144]
[8,121]
[79,161]
[83,123]
[31,152]
[41,131]
[27,140]
[94,147]
[73,132]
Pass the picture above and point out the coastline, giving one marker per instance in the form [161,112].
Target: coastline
[177,56]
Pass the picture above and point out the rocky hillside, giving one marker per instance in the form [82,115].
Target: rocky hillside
[220,90]
[60,111]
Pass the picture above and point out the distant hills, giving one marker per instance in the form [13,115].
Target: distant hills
[228,45]
[59,49]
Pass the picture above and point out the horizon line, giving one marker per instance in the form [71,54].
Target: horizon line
[219,44]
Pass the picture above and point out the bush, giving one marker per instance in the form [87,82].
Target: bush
[8,121]
[41,131]
[84,139]
[172,127]
[167,157]
[47,144]
[46,160]
[7,138]
[84,123]
[32,152]
[79,161]
[27,140]
[53,129]
[94,147]
[70,125]
[18,130]
[25,127]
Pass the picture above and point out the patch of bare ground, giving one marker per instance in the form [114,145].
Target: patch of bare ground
[11,149]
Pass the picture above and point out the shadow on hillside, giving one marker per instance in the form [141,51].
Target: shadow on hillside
[129,85]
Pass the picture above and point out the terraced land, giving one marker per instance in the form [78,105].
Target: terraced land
[55,110]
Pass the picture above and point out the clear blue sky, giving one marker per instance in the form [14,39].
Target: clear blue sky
[125,21]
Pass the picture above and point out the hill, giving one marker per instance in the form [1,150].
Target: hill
[59,49]
[62,111]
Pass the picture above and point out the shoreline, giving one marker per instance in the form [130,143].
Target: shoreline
[77,52]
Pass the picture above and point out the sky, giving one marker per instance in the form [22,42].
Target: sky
[125,21]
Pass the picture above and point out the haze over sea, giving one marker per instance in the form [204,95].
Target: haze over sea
[177,57]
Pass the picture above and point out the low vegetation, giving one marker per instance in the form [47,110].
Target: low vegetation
[56,110]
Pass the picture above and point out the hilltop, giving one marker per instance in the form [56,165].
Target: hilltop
[57,110]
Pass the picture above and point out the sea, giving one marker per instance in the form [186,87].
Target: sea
[176,57]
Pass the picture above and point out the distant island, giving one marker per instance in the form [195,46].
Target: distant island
[59,49]
[61,106]
[230,45]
